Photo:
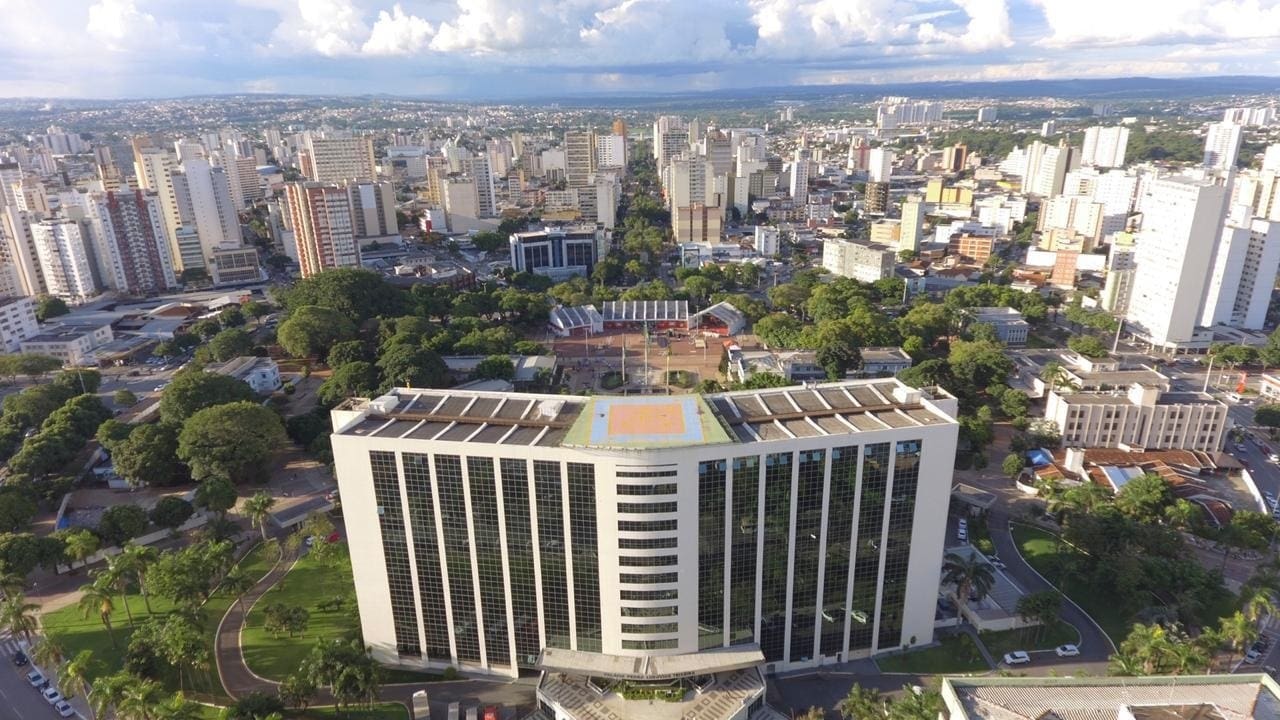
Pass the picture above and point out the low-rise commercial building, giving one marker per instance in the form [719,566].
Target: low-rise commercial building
[1143,417]
[260,373]
[72,344]
[17,322]
[1010,328]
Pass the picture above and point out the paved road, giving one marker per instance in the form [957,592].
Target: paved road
[17,698]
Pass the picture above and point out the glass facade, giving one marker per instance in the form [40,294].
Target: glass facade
[866,560]
[835,580]
[395,551]
[457,551]
[426,553]
[488,547]
[777,550]
[808,532]
[742,579]
[711,509]
[897,554]
[586,564]
[524,590]
[555,581]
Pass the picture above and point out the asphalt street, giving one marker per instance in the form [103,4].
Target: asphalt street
[20,701]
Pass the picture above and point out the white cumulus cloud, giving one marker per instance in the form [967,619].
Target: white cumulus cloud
[398,33]
[1103,22]
[116,22]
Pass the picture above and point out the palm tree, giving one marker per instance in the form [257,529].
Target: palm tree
[138,559]
[813,713]
[258,509]
[77,671]
[142,698]
[11,583]
[115,576]
[177,707]
[19,616]
[109,691]
[1124,664]
[862,704]
[967,574]
[99,599]
[1147,646]
[1188,658]
[1054,374]
[1237,631]
[236,584]
[1259,606]
[49,652]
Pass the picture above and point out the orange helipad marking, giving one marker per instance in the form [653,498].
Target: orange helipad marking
[646,419]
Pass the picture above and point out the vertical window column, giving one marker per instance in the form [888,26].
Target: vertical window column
[897,555]
[586,563]
[524,589]
[844,486]
[804,582]
[777,551]
[395,551]
[426,554]
[866,551]
[711,510]
[742,567]
[555,583]
[457,552]
[488,546]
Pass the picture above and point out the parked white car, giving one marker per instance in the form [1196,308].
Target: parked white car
[1017,657]
[1067,650]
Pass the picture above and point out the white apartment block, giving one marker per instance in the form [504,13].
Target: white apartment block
[63,248]
[611,151]
[912,226]
[1222,146]
[341,159]
[767,241]
[880,165]
[1144,417]
[214,208]
[1118,283]
[1244,273]
[20,251]
[788,528]
[1182,217]
[72,344]
[1104,146]
[800,172]
[863,262]
[17,322]
[1073,214]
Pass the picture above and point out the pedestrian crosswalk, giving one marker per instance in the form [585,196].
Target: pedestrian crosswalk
[10,644]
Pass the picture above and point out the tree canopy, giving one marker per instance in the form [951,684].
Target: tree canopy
[231,441]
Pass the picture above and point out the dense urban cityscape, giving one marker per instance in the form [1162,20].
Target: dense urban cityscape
[899,400]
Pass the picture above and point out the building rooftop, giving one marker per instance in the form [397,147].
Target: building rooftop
[639,422]
[1230,697]
[241,366]
[644,310]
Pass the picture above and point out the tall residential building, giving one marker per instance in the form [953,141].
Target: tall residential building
[1121,268]
[1181,222]
[19,251]
[880,165]
[1271,159]
[66,259]
[340,159]
[461,202]
[1047,168]
[912,225]
[799,185]
[10,176]
[864,262]
[129,242]
[696,223]
[1222,146]
[246,183]
[323,230]
[988,114]
[496,532]
[373,209]
[1243,274]
[579,157]
[611,151]
[479,169]
[215,211]
[687,181]
[1104,146]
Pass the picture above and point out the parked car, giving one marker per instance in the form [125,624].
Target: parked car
[1252,656]
[962,535]
[997,563]
[35,678]
[1067,650]
[20,659]
[64,708]
[1017,657]
[51,695]
[1273,458]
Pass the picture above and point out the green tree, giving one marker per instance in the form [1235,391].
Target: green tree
[488,241]
[968,575]
[122,522]
[230,343]
[414,367]
[96,598]
[1040,608]
[297,690]
[77,671]
[345,352]
[19,617]
[136,560]
[311,330]
[80,544]
[216,495]
[1267,415]
[171,512]
[356,294]
[835,345]
[353,379]
[194,390]
[258,509]
[17,508]
[1012,465]
[232,441]
[1088,346]
[863,704]
[149,455]
[1144,497]
[256,310]
[124,398]
[231,317]
[779,331]
[48,306]
[494,367]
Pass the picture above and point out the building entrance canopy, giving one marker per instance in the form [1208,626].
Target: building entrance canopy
[662,667]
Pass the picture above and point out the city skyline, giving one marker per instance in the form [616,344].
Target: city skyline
[491,48]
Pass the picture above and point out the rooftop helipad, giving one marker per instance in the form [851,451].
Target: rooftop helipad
[643,422]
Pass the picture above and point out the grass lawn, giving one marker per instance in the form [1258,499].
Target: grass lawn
[1029,638]
[1041,549]
[80,633]
[956,654]
[308,583]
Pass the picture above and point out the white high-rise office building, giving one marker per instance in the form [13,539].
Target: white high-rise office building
[1222,146]
[19,251]
[340,159]
[611,151]
[1243,273]
[478,168]
[66,259]
[1271,159]
[495,532]
[880,165]
[214,209]
[1181,225]
[800,170]
[912,225]
[1104,146]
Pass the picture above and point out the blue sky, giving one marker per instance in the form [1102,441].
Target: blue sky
[521,48]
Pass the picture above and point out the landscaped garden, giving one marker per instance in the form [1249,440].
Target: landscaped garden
[1036,637]
[955,654]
